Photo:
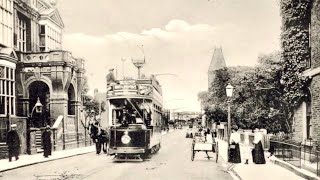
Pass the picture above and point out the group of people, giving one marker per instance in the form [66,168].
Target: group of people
[128,117]
[13,142]
[257,153]
[97,134]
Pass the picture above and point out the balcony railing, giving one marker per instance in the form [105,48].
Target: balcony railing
[52,56]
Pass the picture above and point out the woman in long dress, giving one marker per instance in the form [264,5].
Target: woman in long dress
[258,152]
[234,148]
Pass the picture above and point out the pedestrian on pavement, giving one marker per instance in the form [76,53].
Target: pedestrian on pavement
[46,142]
[246,149]
[13,142]
[258,152]
[234,148]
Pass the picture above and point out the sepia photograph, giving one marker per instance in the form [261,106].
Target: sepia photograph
[159,89]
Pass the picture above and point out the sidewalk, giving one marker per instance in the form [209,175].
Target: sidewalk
[25,160]
[267,171]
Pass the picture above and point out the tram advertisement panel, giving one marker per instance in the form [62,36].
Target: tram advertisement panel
[129,138]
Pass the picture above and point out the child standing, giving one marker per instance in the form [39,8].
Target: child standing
[246,147]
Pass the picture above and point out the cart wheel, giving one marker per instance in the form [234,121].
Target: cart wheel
[217,152]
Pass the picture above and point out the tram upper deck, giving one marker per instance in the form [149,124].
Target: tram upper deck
[135,88]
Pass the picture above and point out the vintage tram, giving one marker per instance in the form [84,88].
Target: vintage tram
[134,117]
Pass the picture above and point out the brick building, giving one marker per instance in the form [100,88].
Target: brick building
[306,124]
[33,67]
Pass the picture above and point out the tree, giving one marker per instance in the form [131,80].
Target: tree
[296,18]
[89,103]
[257,97]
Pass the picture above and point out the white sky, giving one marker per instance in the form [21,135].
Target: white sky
[178,37]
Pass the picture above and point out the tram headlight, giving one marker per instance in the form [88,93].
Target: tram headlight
[125,139]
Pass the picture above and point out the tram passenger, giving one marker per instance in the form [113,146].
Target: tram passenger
[133,118]
[111,80]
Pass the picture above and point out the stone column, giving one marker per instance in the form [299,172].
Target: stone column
[59,106]
[77,120]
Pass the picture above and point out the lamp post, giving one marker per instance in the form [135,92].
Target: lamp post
[229,90]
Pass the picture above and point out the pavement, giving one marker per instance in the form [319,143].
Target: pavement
[273,169]
[26,160]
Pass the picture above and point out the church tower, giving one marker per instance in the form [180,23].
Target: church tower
[217,62]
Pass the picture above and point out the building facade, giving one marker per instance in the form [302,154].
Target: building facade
[34,68]
[306,124]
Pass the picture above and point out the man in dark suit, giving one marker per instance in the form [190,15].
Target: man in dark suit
[46,142]
[13,142]
[111,80]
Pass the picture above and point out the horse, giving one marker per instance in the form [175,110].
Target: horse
[100,137]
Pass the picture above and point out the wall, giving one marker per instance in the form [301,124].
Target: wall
[315,108]
[298,126]
[315,34]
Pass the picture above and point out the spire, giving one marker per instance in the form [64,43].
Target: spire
[217,61]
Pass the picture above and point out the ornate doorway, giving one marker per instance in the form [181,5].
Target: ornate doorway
[39,90]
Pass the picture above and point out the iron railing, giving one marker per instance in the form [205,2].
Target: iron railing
[302,155]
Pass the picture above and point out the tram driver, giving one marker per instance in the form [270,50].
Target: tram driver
[125,118]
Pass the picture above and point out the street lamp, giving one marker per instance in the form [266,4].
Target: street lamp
[37,108]
[229,90]
[139,62]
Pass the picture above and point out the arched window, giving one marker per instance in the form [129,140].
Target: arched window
[308,118]
[71,100]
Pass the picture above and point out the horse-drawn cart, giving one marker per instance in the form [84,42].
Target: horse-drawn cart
[206,144]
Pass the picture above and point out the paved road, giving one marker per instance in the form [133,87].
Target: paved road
[171,162]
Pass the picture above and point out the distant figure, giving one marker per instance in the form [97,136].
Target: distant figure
[13,142]
[46,142]
[110,77]
[92,120]
[111,80]
[246,148]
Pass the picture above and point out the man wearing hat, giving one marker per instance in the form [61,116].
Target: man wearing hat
[111,80]
[13,142]
[46,142]
[110,77]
